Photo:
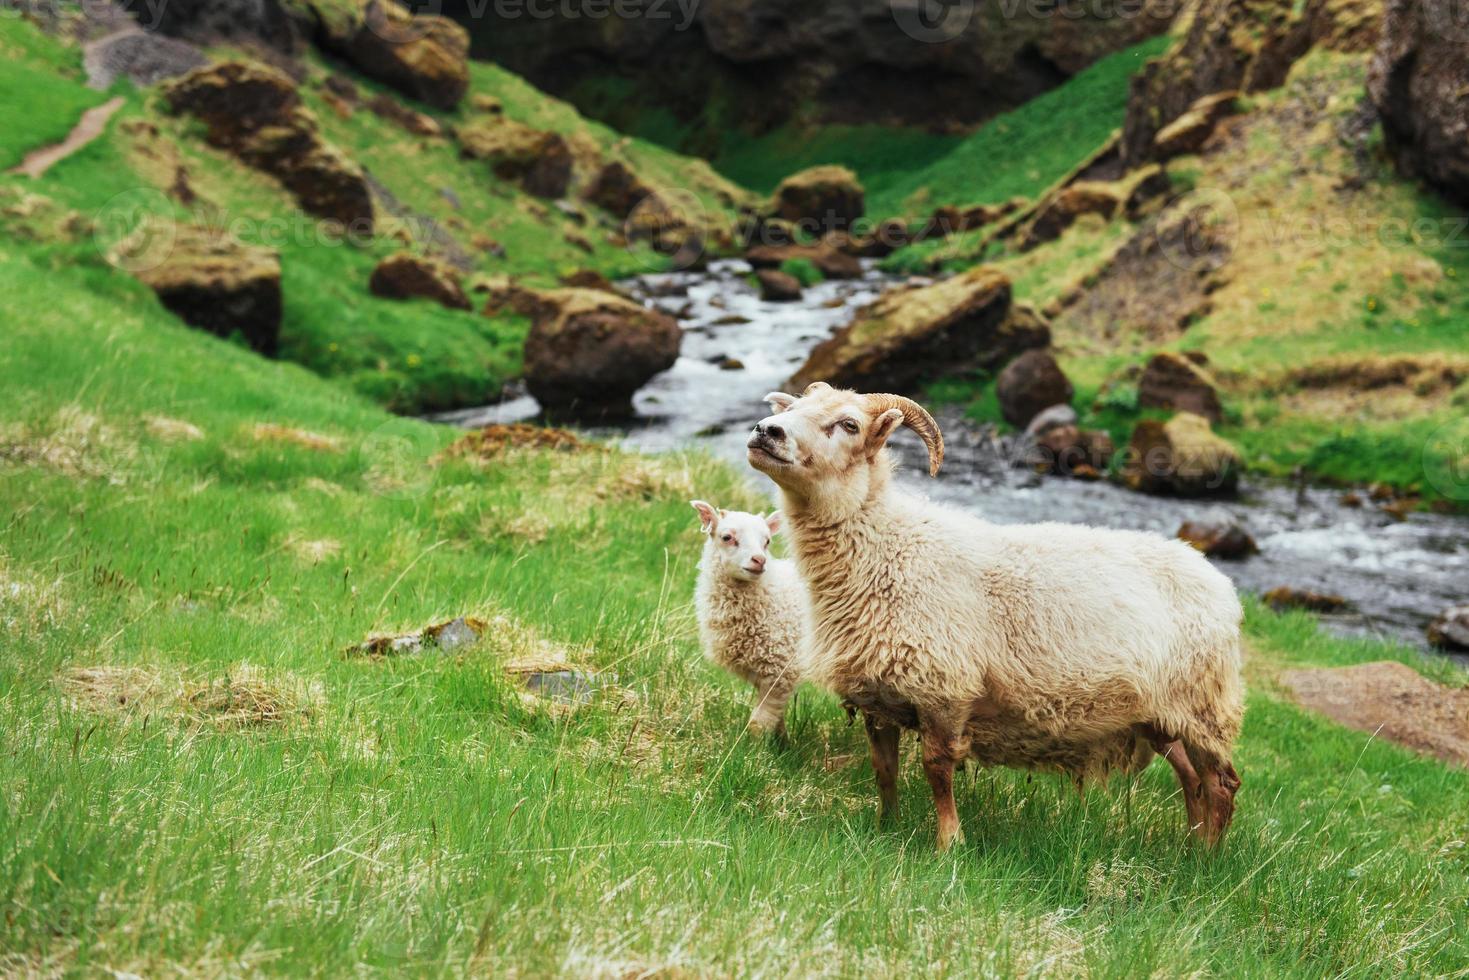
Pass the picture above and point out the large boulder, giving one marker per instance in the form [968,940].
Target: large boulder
[777,286]
[1190,131]
[141,57]
[407,276]
[1181,457]
[1173,382]
[1030,384]
[1419,81]
[824,198]
[833,263]
[211,22]
[255,112]
[1450,631]
[910,335]
[215,283]
[1067,206]
[540,161]
[617,189]
[588,352]
[425,57]
[1227,540]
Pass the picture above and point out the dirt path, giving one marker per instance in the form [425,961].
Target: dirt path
[88,128]
[1391,700]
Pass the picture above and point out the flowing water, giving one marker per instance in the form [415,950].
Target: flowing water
[1397,575]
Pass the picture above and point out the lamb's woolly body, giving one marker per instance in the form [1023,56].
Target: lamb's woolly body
[755,629]
[1063,637]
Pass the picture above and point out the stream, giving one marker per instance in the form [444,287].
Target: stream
[1396,575]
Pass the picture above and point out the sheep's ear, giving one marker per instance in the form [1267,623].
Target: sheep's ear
[775,522]
[882,429]
[780,401]
[708,516]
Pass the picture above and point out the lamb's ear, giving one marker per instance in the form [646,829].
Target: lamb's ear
[882,429]
[775,522]
[779,401]
[708,516]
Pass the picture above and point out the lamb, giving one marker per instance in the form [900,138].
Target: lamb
[1056,647]
[752,608]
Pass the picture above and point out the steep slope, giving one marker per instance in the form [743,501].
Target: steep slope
[151,170]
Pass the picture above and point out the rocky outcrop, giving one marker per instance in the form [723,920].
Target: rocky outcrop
[910,335]
[820,199]
[1450,630]
[1235,46]
[952,220]
[254,112]
[539,161]
[1067,206]
[777,286]
[141,57]
[1419,81]
[588,352]
[617,190]
[768,62]
[423,56]
[1173,382]
[215,283]
[833,264]
[408,276]
[210,22]
[1288,597]
[1189,132]
[1182,457]
[1228,541]
[1030,384]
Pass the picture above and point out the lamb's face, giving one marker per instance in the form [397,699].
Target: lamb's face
[739,542]
[832,438]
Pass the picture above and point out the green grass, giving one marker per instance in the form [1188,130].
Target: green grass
[44,88]
[910,172]
[804,271]
[423,818]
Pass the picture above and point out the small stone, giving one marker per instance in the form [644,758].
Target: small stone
[1286,597]
[456,634]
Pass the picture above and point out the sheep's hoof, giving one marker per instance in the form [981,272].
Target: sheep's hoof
[948,838]
[776,733]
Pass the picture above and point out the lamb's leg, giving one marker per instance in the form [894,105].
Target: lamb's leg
[769,715]
[884,742]
[943,748]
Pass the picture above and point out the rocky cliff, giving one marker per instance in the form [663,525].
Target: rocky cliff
[756,64]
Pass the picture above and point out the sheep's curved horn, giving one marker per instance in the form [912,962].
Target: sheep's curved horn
[814,387]
[915,417]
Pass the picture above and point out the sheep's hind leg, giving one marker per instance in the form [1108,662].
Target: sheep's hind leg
[942,750]
[883,739]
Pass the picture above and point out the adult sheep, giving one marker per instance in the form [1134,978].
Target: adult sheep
[1046,646]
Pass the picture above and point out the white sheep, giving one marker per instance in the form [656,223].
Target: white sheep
[752,609]
[1048,646]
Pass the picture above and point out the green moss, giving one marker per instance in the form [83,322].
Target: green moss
[804,271]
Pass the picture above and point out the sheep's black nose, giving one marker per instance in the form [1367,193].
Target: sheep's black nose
[770,431]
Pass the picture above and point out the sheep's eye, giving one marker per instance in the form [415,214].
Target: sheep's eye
[727,538]
[850,425]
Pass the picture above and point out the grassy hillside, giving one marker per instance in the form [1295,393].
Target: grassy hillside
[409,356]
[198,779]
[1020,153]
[1318,284]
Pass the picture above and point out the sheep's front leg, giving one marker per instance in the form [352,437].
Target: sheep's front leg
[942,750]
[884,742]
[769,715]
